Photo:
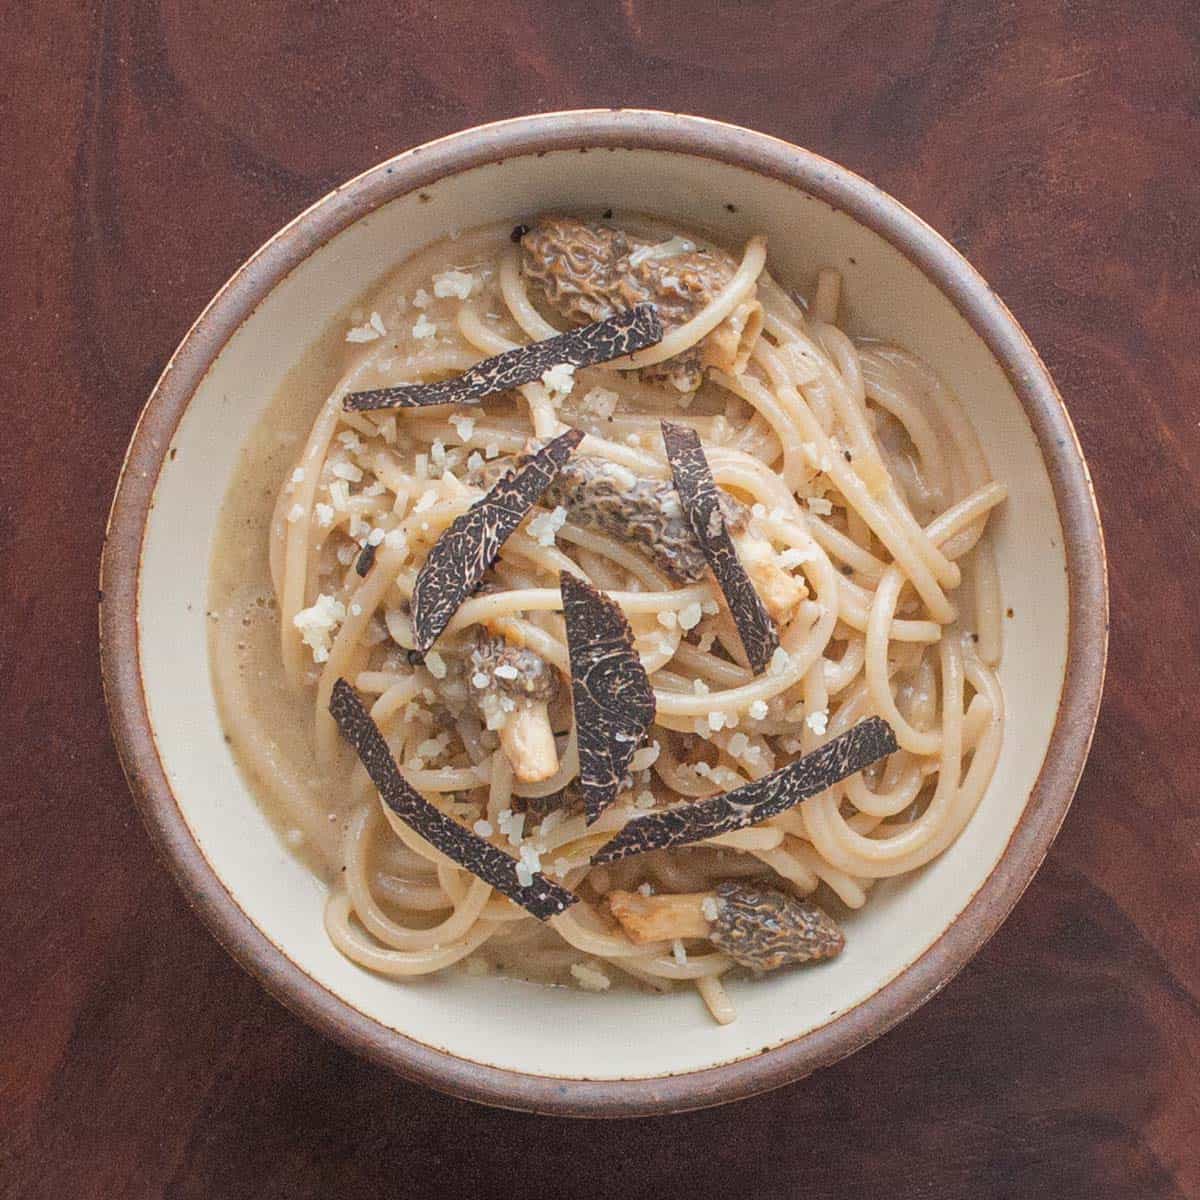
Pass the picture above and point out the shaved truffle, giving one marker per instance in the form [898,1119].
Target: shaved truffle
[541,897]
[614,337]
[867,742]
[614,702]
[466,550]
[702,506]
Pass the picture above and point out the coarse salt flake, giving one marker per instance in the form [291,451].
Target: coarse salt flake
[317,624]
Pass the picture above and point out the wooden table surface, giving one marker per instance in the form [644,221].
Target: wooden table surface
[147,148]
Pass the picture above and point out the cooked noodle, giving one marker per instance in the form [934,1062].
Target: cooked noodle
[859,469]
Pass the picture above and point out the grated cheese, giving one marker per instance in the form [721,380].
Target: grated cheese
[318,623]
[545,526]
[559,380]
[600,402]
[457,284]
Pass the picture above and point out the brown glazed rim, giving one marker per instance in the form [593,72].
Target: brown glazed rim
[421,168]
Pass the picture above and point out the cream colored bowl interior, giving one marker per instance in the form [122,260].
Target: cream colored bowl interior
[522,1026]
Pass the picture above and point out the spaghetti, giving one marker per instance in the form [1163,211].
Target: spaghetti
[857,498]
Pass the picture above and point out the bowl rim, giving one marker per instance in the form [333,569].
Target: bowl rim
[422,167]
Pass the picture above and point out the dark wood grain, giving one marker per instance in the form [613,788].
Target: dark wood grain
[146,148]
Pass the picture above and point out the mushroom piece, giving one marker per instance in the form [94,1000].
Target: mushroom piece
[758,927]
[587,271]
[607,496]
[600,494]
[514,698]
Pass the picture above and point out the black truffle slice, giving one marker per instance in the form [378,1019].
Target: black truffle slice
[601,341]
[462,555]
[867,742]
[702,506]
[614,702]
[540,896]
[366,559]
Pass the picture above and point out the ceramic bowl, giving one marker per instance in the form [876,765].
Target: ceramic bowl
[555,1049]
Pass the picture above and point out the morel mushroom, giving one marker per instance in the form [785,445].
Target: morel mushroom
[600,494]
[757,927]
[606,496]
[587,271]
[513,688]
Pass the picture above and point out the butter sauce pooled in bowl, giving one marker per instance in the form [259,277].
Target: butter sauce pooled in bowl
[795,614]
